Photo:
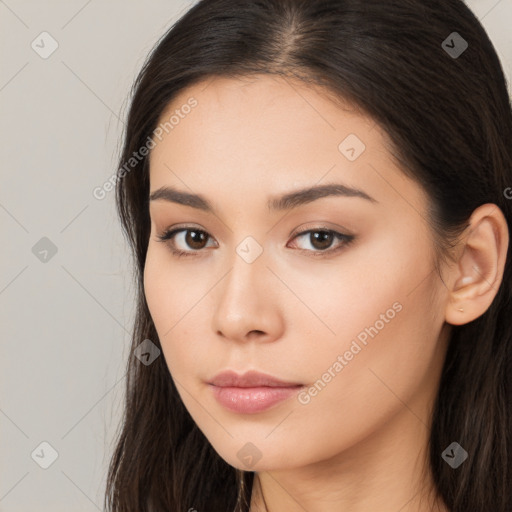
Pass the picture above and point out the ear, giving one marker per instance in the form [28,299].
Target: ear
[478,272]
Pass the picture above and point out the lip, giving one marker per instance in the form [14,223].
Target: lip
[249,379]
[251,392]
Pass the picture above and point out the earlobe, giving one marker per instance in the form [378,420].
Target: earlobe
[478,273]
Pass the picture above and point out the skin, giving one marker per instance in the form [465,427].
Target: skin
[359,444]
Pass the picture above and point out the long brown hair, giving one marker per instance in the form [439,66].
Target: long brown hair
[447,111]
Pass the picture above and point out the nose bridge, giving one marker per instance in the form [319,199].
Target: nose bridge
[247,268]
[243,303]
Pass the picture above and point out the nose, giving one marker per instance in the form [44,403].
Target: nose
[247,304]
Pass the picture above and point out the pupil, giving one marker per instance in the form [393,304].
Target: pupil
[192,238]
[323,237]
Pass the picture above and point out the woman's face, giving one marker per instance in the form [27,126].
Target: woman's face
[335,294]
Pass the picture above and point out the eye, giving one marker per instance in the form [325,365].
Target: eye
[322,239]
[191,236]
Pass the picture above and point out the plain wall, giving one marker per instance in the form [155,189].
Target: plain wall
[66,317]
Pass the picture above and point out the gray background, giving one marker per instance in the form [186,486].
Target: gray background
[66,316]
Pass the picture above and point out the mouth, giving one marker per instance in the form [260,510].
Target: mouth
[251,392]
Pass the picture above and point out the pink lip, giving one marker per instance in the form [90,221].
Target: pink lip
[251,392]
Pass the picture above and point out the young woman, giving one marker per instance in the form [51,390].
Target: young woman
[318,198]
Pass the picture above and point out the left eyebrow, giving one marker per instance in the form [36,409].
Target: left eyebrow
[285,202]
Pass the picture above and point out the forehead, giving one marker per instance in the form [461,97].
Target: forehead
[266,131]
[268,105]
[266,109]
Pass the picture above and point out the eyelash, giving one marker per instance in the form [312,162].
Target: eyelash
[168,235]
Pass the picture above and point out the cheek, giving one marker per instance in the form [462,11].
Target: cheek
[385,351]
[391,373]
[173,297]
[376,291]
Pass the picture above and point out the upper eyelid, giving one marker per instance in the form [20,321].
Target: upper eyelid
[308,229]
[309,226]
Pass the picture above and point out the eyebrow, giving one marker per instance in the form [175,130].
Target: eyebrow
[284,202]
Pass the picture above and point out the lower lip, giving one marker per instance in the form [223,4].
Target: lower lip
[252,400]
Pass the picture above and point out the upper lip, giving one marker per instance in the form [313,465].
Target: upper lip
[249,379]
